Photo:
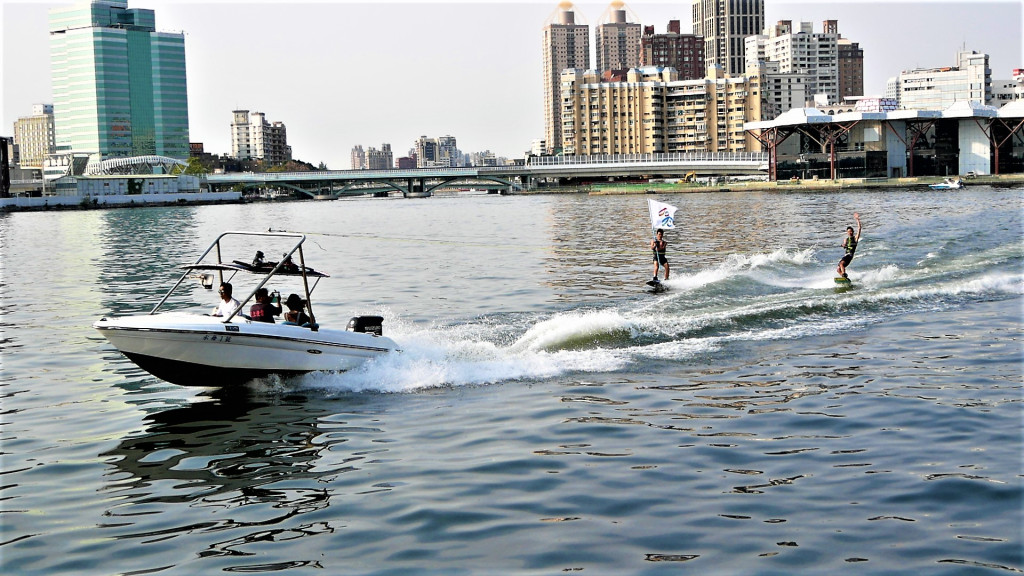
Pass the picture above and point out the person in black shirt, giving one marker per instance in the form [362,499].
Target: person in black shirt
[264,309]
[296,310]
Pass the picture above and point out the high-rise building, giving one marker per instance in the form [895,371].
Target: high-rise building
[802,67]
[35,136]
[801,52]
[851,64]
[566,45]
[655,112]
[448,152]
[684,52]
[427,154]
[617,42]
[253,138]
[939,88]
[358,158]
[118,85]
[725,24]
[380,159]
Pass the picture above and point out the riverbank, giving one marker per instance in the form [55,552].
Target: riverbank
[612,188]
[42,203]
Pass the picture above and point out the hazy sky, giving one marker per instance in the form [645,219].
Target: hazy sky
[338,74]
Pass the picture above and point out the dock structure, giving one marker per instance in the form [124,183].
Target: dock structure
[966,138]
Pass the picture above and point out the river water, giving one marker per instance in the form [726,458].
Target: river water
[547,413]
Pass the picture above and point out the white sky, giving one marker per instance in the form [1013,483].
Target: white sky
[339,73]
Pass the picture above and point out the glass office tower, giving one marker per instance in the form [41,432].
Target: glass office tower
[118,84]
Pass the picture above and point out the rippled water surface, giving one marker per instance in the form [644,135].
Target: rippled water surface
[547,414]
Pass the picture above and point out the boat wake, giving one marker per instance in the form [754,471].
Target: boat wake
[783,295]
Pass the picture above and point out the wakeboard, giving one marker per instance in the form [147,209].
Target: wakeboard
[843,282]
[656,287]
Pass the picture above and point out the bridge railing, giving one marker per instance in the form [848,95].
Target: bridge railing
[711,157]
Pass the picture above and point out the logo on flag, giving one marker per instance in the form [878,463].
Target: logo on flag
[662,215]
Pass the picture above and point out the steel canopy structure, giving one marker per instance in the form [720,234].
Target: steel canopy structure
[133,165]
[974,133]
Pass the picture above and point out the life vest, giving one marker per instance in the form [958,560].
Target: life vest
[850,244]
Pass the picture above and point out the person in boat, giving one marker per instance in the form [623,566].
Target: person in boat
[659,246]
[296,313]
[850,245]
[264,309]
[227,305]
[289,266]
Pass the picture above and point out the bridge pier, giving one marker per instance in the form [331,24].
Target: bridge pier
[416,188]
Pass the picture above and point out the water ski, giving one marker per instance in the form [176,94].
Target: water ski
[843,282]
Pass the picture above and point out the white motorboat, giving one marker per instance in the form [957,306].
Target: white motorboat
[195,349]
[948,184]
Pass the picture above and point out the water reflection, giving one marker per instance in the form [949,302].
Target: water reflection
[140,249]
[256,468]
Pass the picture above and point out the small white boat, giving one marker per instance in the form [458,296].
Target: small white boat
[948,184]
[195,349]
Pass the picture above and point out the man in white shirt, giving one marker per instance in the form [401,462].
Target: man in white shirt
[228,304]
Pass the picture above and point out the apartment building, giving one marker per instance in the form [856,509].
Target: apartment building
[254,138]
[357,158]
[617,41]
[812,55]
[35,136]
[655,112]
[684,52]
[381,159]
[565,45]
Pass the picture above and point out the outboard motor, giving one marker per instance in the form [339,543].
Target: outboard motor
[369,324]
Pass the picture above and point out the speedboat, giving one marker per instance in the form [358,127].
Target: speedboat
[196,349]
[948,184]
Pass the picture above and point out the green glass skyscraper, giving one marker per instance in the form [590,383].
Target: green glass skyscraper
[118,84]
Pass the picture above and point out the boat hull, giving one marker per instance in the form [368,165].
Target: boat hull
[197,350]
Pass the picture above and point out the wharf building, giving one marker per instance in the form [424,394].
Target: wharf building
[253,138]
[684,52]
[617,42]
[35,137]
[876,141]
[655,112]
[725,25]
[119,87]
[566,44]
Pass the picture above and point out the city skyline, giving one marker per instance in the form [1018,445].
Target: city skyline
[474,72]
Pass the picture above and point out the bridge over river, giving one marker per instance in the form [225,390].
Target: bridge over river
[540,171]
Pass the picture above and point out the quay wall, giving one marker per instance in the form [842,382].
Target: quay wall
[116,200]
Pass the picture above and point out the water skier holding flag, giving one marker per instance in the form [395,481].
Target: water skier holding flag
[659,245]
[662,218]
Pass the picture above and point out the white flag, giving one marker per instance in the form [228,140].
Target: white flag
[662,215]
